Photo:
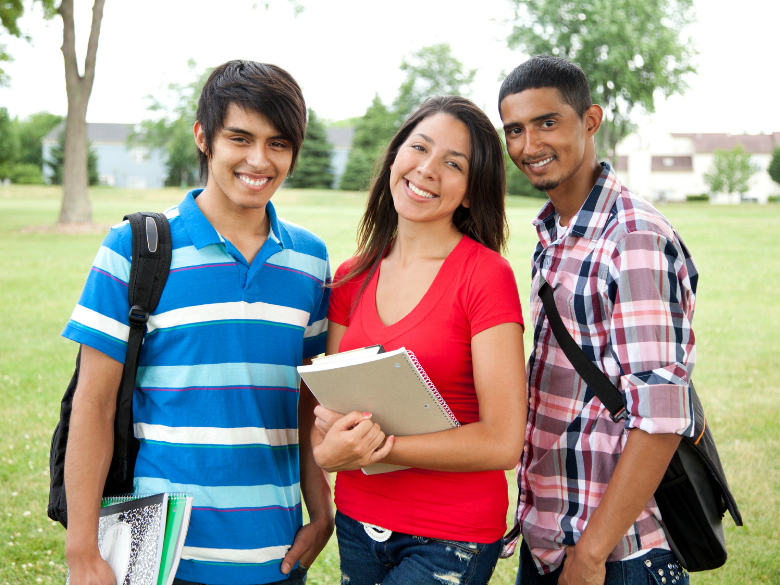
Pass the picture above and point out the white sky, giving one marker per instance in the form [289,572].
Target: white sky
[344,51]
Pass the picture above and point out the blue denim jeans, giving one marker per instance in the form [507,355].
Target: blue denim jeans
[657,567]
[404,559]
[296,577]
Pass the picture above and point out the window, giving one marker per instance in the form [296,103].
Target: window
[139,154]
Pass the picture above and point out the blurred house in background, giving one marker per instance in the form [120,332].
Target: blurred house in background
[135,167]
[668,167]
[341,140]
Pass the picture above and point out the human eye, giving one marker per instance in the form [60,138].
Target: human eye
[454,165]
[418,146]
[279,145]
[516,131]
[238,139]
[548,123]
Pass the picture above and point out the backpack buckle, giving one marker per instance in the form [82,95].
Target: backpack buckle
[622,415]
[138,316]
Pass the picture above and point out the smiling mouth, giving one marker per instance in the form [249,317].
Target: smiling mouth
[541,163]
[419,192]
[253,182]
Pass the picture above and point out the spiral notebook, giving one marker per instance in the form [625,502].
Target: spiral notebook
[141,536]
[392,386]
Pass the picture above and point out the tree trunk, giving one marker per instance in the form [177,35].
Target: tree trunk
[75,199]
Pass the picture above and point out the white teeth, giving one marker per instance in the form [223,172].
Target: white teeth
[420,192]
[541,163]
[256,182]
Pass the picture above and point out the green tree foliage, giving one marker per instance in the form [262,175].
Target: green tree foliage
[9,143]
[56,162]
[629,50]
[10,13]
[372,134]
[171,131]
[774,165]
[313,170]
[432,70]
[31,131]
[730,171]
[21,155]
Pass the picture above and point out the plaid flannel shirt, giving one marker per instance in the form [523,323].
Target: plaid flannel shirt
[625,286]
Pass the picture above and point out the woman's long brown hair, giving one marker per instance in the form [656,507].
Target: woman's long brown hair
[484,220]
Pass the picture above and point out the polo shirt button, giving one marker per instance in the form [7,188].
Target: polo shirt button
[522,497]
[525,448]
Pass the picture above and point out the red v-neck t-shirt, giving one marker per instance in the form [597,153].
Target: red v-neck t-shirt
[474,290]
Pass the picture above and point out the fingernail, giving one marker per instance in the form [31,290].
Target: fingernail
[367,414]
[392,438]
[285,568]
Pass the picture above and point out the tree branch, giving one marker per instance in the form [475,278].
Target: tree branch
[69,46]
[92,46]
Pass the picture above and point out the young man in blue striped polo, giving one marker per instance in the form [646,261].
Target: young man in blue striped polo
[216,404]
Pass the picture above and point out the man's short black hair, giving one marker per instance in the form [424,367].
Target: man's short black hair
[548,71]
[255,87]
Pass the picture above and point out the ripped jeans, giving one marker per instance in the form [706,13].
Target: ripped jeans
[405,559]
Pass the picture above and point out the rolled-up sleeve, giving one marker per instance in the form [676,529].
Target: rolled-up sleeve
[651,338]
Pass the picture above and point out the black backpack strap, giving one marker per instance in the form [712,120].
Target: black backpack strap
[151,262]
[596,380]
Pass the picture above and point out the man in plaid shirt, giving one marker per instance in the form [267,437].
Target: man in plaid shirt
[625,287]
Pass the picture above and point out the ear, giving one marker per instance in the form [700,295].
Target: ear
[200,137]
[593,118]
[465,202]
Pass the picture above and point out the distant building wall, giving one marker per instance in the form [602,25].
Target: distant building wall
[341,141]
[118,166]
[660,166]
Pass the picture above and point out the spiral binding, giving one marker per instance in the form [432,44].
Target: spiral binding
[122,498]
[431,388]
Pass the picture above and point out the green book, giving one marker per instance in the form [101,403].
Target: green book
[179,508]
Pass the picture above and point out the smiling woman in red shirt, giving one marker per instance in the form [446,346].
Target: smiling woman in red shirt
[428,276]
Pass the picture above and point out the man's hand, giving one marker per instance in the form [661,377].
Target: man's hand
[308,544]
[353,442]
[578,569]
[90,571]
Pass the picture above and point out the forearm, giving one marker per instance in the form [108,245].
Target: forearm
[637,475]
[315,482]
[472,447]
[90,447]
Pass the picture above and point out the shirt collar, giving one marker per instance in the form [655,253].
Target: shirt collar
[202,233]
[590,220]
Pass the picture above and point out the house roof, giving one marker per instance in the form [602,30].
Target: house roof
[98,132]
[752,143]
[671,163]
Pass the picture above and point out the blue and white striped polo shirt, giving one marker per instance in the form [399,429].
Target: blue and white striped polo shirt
[215,402]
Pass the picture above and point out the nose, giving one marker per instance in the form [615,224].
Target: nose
[257,158]
[425,168]
[533,141]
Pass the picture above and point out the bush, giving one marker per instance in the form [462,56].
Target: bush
[704,197]
[26,174]
[773,199]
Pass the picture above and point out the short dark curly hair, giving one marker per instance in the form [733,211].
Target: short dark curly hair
[259,87]
[548,71]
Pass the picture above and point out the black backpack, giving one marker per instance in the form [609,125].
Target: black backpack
[151,262]
[693,495]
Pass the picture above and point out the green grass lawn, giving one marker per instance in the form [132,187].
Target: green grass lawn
[737,324]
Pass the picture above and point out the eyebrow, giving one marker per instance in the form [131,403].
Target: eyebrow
[235,130]
[452,152]
[536,119]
